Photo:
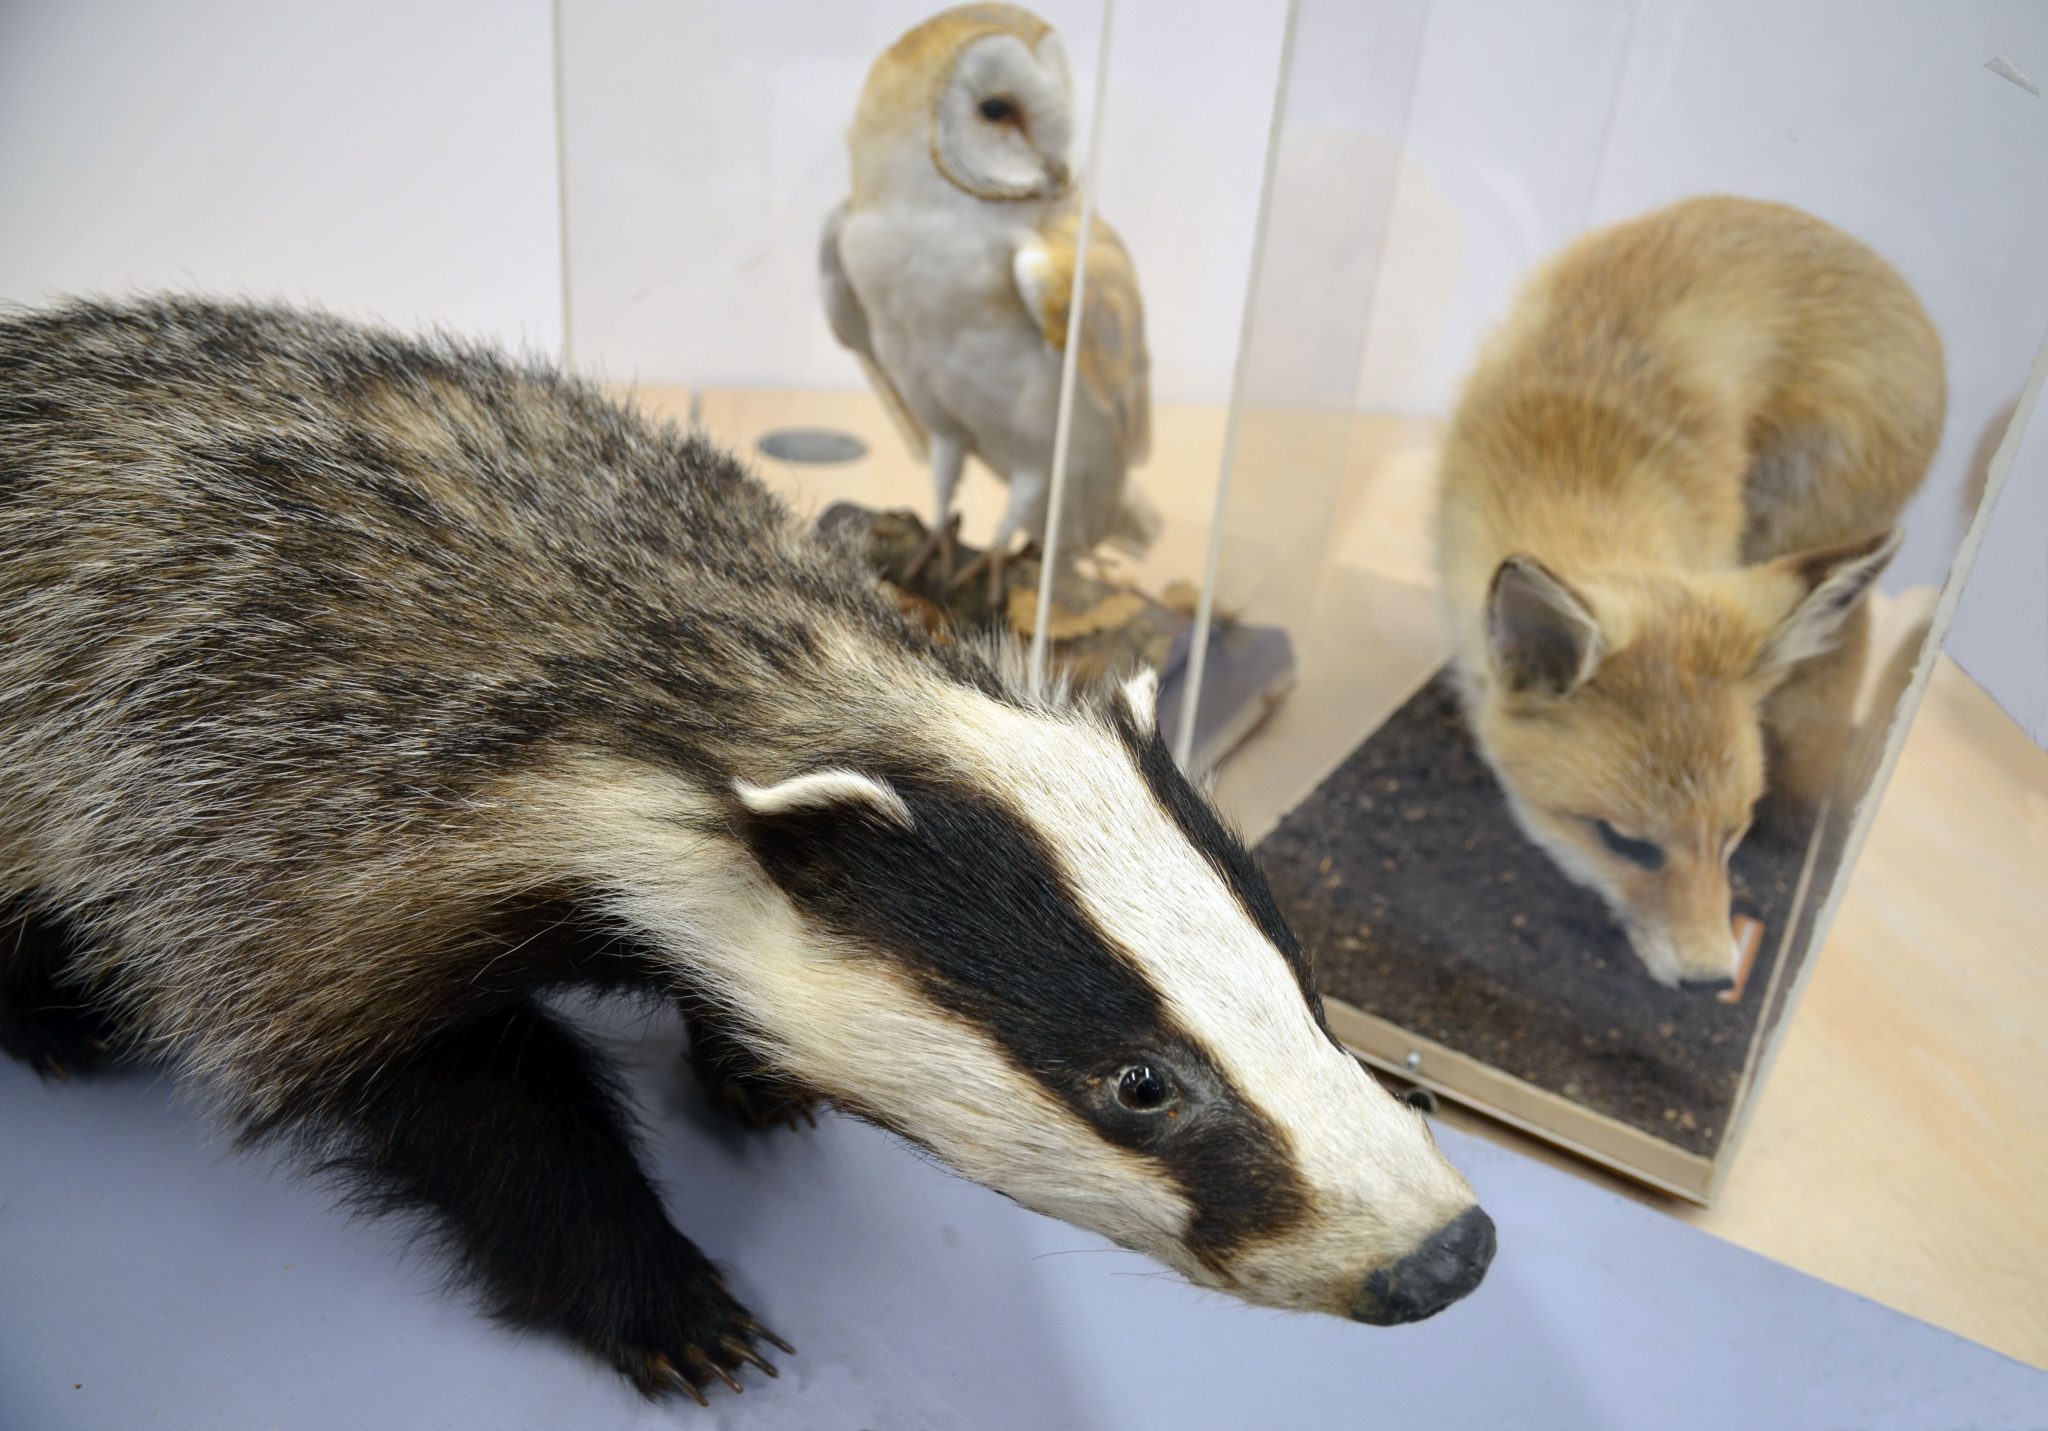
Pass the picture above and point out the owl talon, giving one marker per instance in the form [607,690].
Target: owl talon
[997,566]
[939,544]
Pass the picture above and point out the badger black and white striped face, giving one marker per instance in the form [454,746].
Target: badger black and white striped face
[1032,948]
[1026,943]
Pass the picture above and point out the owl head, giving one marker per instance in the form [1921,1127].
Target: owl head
[977,97]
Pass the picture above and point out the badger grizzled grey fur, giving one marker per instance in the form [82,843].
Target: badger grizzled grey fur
[356,691]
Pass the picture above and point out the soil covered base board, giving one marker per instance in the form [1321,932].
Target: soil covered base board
[1426,905]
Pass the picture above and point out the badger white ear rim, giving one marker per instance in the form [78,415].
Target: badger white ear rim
[1141,697]
[823,789]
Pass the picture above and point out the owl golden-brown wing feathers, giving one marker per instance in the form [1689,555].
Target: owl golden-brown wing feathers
[1115,367]
[850,326]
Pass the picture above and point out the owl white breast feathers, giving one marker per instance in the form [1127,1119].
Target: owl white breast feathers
[950,271]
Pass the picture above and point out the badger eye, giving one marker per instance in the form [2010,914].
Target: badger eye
[1641,853]
[998,109]
[1142,1088]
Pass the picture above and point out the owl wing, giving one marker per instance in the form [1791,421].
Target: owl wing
[1115,368]
[850,326]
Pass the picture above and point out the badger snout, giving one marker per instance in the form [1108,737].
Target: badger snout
[1447,1266]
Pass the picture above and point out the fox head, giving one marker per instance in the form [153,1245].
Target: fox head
[1623,717]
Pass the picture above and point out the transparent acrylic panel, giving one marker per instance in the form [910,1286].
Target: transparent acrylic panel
[1294,525]
[704,147]
[1452,945]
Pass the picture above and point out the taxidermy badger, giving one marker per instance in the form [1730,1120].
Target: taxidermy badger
[355,691]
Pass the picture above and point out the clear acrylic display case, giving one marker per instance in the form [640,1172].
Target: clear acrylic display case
[1329,205]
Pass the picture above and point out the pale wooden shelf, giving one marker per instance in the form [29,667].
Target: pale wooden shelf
[1901,1145]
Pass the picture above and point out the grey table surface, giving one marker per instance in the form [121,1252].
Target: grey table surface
[151,1277]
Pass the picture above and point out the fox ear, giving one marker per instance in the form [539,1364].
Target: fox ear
[1825,584]
[1539,634]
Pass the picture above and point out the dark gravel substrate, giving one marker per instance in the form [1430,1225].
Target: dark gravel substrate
[1425,905]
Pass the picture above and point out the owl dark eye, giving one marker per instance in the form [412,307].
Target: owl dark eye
[998,110]
[1641,853]
[1142,1088]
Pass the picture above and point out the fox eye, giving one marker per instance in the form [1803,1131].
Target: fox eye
[1641,853]
[997,109]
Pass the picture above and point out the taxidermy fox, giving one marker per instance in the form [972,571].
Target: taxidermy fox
[1666,491]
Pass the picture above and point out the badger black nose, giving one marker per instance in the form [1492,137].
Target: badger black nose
[1707,986]
[1431,1277]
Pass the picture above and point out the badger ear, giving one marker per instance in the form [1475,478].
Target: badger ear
[823,790]
[1540,635]
[1140,695]
[1821,587]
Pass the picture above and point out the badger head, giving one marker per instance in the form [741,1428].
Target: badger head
[1025,942]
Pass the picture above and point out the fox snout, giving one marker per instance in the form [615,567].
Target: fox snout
[1684,930]
[1705,960]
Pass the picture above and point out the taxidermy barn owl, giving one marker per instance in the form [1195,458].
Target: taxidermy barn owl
[950,272]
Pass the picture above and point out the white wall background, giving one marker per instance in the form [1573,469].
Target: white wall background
[382,157]
[704,145]
[1532,121]
[399,160]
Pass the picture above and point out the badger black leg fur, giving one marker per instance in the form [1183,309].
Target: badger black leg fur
[49,1020]
[738,1082]
[508,1134]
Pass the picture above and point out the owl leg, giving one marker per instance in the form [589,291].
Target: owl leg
[1026,511]
[948,456]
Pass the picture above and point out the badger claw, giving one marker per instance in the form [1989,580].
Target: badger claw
[761,1104]
[747,1354]
[669,1322]
[705,1364]
[755,1329]
[661,1374]
[694,1369]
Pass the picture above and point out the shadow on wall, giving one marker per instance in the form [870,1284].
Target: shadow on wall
[1977,475]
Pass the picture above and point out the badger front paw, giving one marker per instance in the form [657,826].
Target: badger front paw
[741,1085]
[56,1043]
[759,1102]
[686,1335]
[56,1033]
[50,1018]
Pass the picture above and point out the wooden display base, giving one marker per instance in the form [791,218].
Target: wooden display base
[1433,915]
[1506,1099]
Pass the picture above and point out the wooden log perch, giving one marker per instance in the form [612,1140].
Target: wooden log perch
[1097,628]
